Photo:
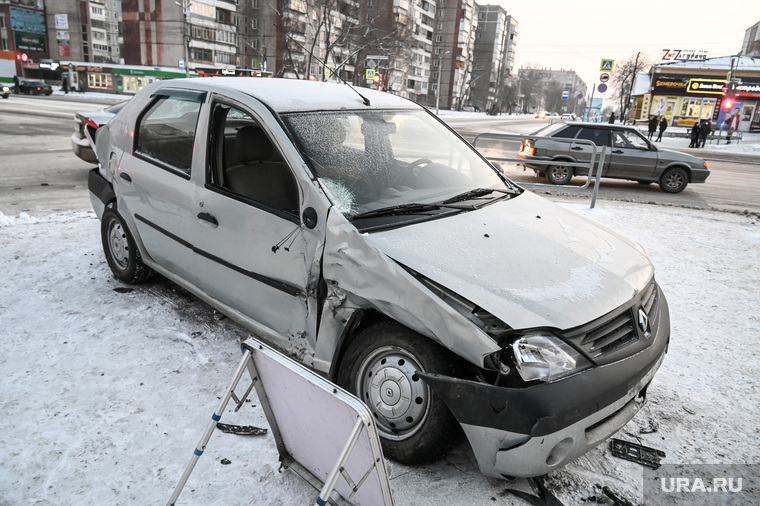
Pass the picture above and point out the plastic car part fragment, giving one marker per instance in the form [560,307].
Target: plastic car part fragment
[636,453]
[544,497]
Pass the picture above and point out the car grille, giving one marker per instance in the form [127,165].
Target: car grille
[610,337]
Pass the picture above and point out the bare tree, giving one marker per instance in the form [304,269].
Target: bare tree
[623,78]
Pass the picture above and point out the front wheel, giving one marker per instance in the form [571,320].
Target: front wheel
[674,180]
[380,367]
[120,249]
[559,174]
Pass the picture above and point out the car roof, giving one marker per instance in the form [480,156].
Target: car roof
[587,124]
[288,95]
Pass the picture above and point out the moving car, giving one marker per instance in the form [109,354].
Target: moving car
[542,114]
[5,90]
[35,88]
[631,156]
[357,233]
[87,124]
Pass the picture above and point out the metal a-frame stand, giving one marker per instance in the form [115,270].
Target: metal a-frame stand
[319,429]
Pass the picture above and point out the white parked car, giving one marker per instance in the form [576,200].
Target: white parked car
[357,233]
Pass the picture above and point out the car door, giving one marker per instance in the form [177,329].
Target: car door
[631,157]
[254,254]
[154,184]
[583,152]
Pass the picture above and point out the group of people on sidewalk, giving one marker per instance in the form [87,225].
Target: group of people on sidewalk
[699,133]
[654,122]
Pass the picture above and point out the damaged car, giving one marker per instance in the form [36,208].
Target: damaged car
[358,234]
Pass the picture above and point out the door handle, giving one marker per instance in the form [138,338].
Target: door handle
[125,177]
[208,217]
[577,148]
[618,151]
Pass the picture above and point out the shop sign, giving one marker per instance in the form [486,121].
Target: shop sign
[683,54]
[748,88]
[24,20]
[669,84]
[709,86]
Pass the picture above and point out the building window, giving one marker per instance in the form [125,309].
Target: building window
[255,24]
[5,45]
[255,43]
[437,63]
[438,50]
[255,4]
[435,75]
[99,81]
[2,21]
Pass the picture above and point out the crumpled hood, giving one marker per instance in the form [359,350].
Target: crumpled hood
[525,260]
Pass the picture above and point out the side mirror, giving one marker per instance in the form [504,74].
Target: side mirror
[310,217]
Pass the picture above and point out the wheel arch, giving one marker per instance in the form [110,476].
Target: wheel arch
[677,165]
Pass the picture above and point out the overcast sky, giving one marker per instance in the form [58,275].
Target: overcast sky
[578,34]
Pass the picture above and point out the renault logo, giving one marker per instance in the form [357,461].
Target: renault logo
[644,322]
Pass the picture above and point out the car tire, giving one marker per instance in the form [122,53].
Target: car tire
[379,367]
[674,180]
[559,174]
[120,249]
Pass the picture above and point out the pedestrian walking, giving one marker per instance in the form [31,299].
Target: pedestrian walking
[652,126]
[612,117]
[663,127]
[705,129]
[65,85]
[15,84]
[694,135]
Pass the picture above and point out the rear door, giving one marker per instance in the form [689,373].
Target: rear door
[632,157]
[600,136]
[154,179]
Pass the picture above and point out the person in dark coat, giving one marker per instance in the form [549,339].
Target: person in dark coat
[65,85]
[694,135]
[652,126]
[15,84]
[663,127]
[612,117]
[704,130]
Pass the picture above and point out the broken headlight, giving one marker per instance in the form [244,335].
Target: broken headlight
[544,357]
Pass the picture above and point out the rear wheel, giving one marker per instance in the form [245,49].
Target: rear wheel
[120,249]
[380,367]
[559,174]
[674,180]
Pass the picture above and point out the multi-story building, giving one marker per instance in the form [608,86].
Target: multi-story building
[560,91]
[454,44]
[493,59]
[751,44]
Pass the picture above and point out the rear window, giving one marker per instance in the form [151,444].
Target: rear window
[599,136]
[568,133]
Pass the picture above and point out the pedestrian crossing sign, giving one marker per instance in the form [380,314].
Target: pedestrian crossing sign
[369,74]
[607,65]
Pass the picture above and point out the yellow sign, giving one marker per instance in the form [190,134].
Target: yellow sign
[370,74]
[607,65]
[711,86]
[328,70]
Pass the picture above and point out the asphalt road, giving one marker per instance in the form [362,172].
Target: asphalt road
[41,174]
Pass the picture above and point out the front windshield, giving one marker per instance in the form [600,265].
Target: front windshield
[369,160]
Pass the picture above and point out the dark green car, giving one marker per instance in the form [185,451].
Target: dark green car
[631,156]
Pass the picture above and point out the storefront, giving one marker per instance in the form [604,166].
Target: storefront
[685,92]
[114,78]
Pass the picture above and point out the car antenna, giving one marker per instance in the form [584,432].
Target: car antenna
[365,99]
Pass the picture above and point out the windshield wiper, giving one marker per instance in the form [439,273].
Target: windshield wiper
[411,208]
[477,192]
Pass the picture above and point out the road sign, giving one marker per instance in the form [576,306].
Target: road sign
[328,70]
[601,88]
[604,77]
[607,65]
[369,74]
[565,94]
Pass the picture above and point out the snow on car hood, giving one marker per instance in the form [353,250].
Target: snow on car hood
[527,261]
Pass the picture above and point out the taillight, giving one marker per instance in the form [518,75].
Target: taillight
[91,124]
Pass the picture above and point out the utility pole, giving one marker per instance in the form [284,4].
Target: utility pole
[630,90]
[438,89]
[185,6]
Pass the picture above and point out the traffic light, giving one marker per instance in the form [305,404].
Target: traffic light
[376,78]
[21,56]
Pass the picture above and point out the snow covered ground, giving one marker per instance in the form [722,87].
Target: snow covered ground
[107,388]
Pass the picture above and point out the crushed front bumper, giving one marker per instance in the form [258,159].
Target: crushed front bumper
[534,430]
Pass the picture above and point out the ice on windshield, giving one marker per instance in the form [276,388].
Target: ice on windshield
[373,159]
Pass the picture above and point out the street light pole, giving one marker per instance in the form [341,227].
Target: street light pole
[185,6]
